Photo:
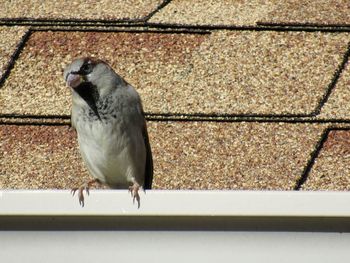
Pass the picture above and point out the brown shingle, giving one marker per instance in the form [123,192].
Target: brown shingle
[320,12]
[202,155]
[338,105]
[78,9]
[10,38]
[219,12]
[39,157]
[331,170]
[250,12]
[38,72]
[238,72]
[218,72]
[187,155]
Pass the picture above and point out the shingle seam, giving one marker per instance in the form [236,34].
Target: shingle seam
[14,56]
[29,20]
[305,174]
[314,155]
[179,115]
[122,29]
[34,123]
[142,23]
[17,118]
[204,117]
[251,27]
[160,7]
[77,23]
[333,82]
[304,24]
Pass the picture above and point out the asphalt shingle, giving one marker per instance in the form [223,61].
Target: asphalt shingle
[332,166]
[221,73]
[224,155]
[39,157]
[254,12]
[219,12]
[240,94]
[10,37]
[78,9]
[321,12]
[338,105]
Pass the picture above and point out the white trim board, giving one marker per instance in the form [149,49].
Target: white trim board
[194,203]
[171,210]
[210,226]
[173,246]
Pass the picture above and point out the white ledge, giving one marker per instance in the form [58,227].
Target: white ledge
[204,226]
[177,210]
[177,203]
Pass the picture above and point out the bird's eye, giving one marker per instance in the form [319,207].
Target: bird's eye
[86,69]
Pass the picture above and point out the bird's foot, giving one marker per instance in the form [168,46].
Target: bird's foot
[81,189]
[134,190]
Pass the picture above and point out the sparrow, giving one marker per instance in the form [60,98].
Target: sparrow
[112,134]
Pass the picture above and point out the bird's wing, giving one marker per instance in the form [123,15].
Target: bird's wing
[149,160]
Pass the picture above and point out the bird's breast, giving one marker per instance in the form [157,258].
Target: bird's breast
[109,142]
[104,146]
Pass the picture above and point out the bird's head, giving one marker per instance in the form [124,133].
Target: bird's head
[85,75]
[90,81]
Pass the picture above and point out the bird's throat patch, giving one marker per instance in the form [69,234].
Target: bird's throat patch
[88,92]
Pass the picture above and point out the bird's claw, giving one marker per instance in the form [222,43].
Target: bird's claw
[134,190]
[80,193]
[81,189]
[73,190]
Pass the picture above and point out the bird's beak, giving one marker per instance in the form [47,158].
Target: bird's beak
[74,80]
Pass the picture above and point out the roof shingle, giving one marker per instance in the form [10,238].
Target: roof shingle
[239,94]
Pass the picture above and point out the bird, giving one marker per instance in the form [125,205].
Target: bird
[108,116]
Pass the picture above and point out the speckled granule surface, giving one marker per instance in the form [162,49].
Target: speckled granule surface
[236,100]
[40,157]
[324,12]
[225,155]
[249,13]
[230,155]
[332,167]
[223,73]
[10,36]
[338,105]
[66,9]
[140,58]
[221,12]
